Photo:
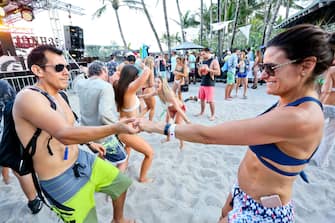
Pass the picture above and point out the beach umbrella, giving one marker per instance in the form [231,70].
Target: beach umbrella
[187,46]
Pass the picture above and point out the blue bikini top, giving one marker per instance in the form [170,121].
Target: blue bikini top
[273,153]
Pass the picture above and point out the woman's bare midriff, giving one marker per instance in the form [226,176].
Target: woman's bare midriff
[258,180]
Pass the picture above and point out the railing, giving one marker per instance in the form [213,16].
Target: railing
[19,82]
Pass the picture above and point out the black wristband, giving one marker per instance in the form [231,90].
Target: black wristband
[166,129]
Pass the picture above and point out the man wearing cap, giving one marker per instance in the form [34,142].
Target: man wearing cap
[209,68]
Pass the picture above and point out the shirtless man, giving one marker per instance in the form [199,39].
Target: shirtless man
[210,67]
[70,175]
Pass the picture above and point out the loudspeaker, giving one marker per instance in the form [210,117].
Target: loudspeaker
[6,44]
[76,54]
[74,38]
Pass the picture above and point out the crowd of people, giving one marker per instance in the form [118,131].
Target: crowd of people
[115,99]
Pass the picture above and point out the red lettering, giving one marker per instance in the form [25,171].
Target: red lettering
[17,42]
[25,42]
[34,41]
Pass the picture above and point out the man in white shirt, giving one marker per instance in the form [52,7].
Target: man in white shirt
[97,107]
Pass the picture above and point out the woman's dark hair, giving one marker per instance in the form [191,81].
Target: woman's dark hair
[302,41]
[37,55]
[128,74]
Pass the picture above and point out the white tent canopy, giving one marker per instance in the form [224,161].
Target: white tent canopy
[187,46]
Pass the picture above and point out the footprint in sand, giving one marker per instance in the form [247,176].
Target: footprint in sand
[208,173]
[213,201]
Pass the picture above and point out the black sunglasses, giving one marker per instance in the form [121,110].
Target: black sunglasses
[58,67]
[270,68]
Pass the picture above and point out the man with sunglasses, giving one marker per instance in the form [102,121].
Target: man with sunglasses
[67,174]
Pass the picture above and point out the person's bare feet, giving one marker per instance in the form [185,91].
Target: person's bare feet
[181,145]
[212,118]
[124,221]
[146,180]
[6,179]
[199,114]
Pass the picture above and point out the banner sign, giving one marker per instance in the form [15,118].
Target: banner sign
[25,41]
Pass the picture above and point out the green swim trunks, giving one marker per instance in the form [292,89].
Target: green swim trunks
[230,78]
[103,177]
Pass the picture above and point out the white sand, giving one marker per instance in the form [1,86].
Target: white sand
[191,185]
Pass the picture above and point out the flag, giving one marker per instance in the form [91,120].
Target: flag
[245,30]
[221,25]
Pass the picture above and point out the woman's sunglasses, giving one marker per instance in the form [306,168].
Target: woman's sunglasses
[58,67]
[270,68]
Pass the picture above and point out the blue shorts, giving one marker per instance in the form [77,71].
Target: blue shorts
[242,75]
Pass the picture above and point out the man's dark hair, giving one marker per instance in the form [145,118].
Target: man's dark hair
[112,56]
[131,58]
[37,55]
[235,50]
[206,49]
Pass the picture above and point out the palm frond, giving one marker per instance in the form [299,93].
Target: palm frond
[100,11]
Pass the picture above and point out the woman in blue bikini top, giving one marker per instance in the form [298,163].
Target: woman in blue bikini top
[283,139]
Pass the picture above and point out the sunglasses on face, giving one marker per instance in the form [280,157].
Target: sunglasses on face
[59,67]
[270,68]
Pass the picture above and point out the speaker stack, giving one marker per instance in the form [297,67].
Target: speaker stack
[74,41]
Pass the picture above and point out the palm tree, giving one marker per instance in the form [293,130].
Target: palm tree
[272,20]
[181,21]
[219,33]
[291,4]
[146,12]
[237,11]
[116,5]
[201,21]
[167,27]
[267,12]
[189,20]
[175,39]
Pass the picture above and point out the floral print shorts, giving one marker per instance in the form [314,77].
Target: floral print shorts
[247,210]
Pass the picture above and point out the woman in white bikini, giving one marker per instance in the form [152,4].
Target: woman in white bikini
[131,80]
[180,74]
[175,108]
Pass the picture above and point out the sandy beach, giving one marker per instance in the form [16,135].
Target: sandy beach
[190,186]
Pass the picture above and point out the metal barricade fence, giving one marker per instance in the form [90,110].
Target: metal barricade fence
[19,82]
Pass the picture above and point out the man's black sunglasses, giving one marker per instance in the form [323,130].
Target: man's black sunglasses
[58,67]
